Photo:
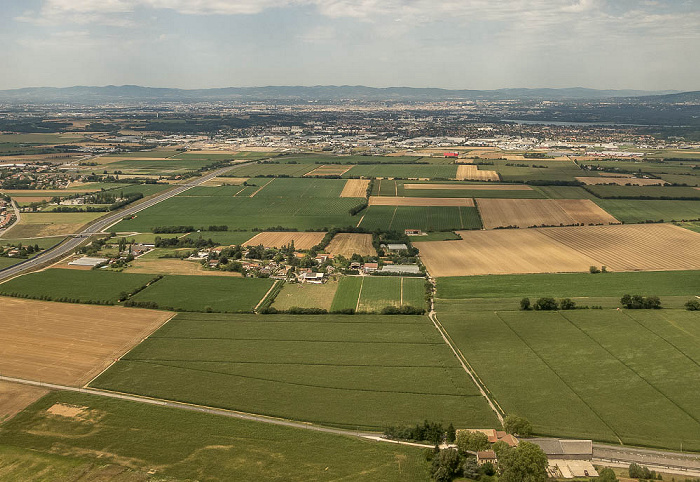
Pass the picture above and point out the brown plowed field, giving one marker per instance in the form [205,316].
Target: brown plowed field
[505,251]
[68,344]
[474,187]
[634,247]
[330,170]
[348,244]
[622,181]
[355,188]
[273,239]
[15,397]
[420,201]
[469,172]
[525,213]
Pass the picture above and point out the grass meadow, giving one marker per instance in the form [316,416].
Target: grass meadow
[131,441]
[204,293]
[589,373]
[640,211]
[92,286]
[356,371]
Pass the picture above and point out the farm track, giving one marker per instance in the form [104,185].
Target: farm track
[67,246]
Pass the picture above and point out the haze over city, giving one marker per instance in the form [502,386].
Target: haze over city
[474,44]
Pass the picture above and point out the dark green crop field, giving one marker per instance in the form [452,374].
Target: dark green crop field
[357,371]
[292,203]
[430,171]
[371,294]
[129,441]
[617,376]
[92,286]
[653,192]
[639,211]
[206,293]
[427,218]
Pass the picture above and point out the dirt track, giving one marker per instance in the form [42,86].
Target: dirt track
[66,343]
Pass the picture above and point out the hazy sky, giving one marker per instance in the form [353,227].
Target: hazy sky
[460,44]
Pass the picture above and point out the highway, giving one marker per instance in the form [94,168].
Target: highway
[70,244]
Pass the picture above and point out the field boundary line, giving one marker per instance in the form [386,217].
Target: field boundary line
[493,404]
[393,216]
[401,298]
[559,376]
[262,187]
[129,350]
[363,217]
[359,295]
[654,387]
[262,300]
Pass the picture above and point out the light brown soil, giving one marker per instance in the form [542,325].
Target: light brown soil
[15,397]
[355,188]
[634,247]
[68,344]
[420,201]
[475,187]
[273,239]
[348,244]
[174,266]
[33,199]
[69,411]
[506,251]
[622,181]
[470,172]
[330,170]
[525,213]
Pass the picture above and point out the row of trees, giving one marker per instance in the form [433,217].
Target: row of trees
[547,304]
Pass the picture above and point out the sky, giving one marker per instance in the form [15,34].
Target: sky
[455,44]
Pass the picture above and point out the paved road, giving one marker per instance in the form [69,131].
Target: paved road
[70,244]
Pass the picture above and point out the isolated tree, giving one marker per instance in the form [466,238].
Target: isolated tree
[692,305]
[516,425]
[525,463]
[606,474]
[525,304]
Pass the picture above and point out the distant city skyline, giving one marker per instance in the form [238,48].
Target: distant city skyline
[470,44]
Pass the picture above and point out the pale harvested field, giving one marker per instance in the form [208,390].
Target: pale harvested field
[474,187]
[68,344]
[525,213]
[174,266]
[634,247]
[420,201]
[469,172]
[348,244]
[355,188]
[33,199]
[622,181]
[273,239]
[508,251]
[15,397]
[330,170]
[220,181]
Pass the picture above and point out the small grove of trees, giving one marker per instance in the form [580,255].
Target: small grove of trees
[639,302]
[448,464]
[516,425]
[432,432]
[471,441]
[640,472]
[692,305]
[548,304]
[606,474]
[526,462]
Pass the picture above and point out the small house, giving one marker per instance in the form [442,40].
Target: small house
[484,456]
[371,267]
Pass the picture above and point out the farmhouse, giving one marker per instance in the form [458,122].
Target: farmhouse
[496,436]
[310,277]
[484,456]
[371,267]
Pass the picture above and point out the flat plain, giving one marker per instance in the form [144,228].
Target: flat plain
[347,244]
[425,218]
[271,239]
[69,344]
[524,213]
[355,371]
[606,370]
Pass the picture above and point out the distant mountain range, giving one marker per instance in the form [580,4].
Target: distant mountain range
[134,93]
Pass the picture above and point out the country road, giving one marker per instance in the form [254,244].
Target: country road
[70,244]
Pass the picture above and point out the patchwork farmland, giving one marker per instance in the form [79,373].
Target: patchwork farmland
[470,172]
[524,213]
[372,294]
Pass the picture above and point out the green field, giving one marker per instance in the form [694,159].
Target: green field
[40,138]
[204,293]
[555,170]
[43,243]
[564,192]
[431,171]
[630,376]
[255,170]
[306,295]
[682,179]
[653,192]
[92,286]
[355,371]
[221,237]
[157,166]
[428,218]
[292,203]
[313,158]
[377,292]
[129,441]
[155,153]
[639,211]
[7,262]
[692,225]
[659,283]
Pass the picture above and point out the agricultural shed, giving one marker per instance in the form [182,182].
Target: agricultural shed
[401,268]
[88,261]
[395,246]
[565,449]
